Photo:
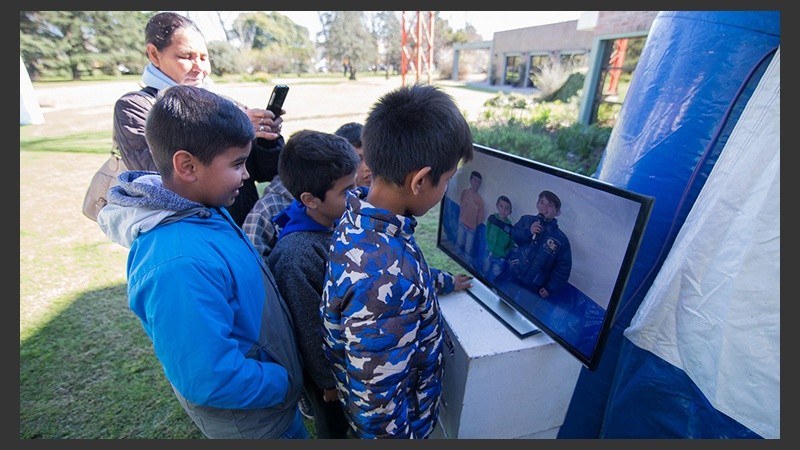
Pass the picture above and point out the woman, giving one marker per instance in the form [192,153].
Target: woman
[178,55]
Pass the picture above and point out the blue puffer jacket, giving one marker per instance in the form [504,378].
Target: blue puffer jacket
[545,261]
[219,328]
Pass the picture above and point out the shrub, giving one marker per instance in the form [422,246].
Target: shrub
[551,76]
[546,132]
[571,88]
[259,77]
[225,58]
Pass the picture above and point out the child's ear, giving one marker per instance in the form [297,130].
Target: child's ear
[183,164]
[308,199]
[418,179]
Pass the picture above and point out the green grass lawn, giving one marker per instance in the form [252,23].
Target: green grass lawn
[86,367]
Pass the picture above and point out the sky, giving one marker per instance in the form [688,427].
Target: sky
[486,22]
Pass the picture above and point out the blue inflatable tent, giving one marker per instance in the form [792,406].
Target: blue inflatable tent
[694,351]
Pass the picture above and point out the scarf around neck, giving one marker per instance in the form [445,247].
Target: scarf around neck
[154,77]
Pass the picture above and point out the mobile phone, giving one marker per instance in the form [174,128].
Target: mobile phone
[275,103]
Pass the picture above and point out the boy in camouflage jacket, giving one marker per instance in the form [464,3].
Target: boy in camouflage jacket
[380,311]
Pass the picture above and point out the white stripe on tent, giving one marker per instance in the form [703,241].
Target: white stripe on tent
[713,311]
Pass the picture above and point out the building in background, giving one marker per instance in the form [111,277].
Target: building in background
[605,44]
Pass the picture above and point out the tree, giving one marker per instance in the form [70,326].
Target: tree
[277,44]
[79,42]
[36,43]
[222,25]
[347,38]
[444,38]
[120,39]
[260,30]
[225,58]
[386,28]
[470,61]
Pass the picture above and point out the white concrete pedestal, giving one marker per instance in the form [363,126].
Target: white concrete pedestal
[497,385]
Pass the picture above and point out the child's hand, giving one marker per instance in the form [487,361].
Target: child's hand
[462,282]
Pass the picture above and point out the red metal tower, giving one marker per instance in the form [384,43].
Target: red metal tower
[416,47]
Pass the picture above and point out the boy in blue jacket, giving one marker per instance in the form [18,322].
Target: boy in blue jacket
[318,169]
[219,327]
[542,260]
[380,310]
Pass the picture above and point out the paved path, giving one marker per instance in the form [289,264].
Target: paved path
[317,103]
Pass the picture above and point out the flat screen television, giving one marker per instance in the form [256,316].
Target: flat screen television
[550,250]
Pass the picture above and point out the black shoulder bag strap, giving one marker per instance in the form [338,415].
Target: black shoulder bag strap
[150,91]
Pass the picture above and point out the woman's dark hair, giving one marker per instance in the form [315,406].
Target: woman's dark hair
[162,26]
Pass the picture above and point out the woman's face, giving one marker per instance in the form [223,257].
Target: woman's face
[185,61]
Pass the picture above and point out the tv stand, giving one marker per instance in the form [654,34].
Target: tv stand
[506,313]
[497,384]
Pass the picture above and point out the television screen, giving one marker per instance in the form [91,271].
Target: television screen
[550,250]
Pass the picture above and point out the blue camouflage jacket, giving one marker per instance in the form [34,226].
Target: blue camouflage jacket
[382,323]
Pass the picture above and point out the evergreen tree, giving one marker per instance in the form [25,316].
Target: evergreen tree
[347,39]
[75,43]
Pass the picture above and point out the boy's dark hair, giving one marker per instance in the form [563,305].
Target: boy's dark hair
[503,198]
[413,127]
[196,120]
[552,197]
[476,174]
[161,27]
[312,161]
[352,132]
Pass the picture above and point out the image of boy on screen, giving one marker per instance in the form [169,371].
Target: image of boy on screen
[498,239]
[542,260]
[470,216]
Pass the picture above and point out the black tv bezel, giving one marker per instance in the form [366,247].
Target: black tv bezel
[645,208]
